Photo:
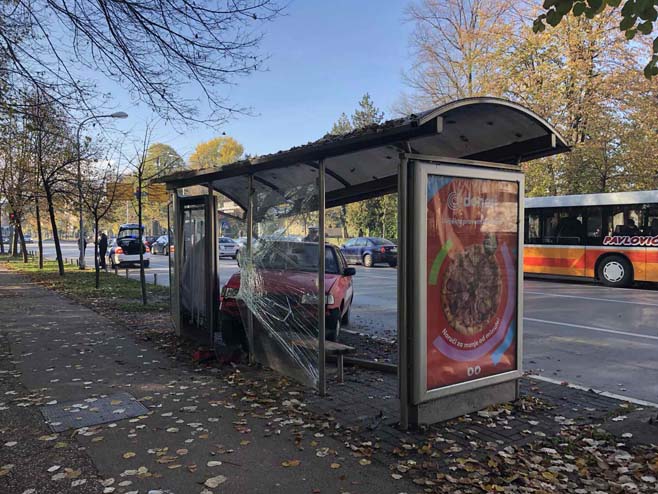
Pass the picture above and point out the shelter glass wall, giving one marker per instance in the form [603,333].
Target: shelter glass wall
[279,281]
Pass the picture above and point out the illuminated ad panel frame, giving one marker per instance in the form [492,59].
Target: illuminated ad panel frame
[467,328]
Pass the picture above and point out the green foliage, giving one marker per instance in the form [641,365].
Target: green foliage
[636,16]
[367,113]
[376,217]
[162,159]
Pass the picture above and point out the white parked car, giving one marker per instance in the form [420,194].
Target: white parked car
[228,247]
[125,249]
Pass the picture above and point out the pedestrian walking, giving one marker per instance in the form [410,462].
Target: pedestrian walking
[102,250]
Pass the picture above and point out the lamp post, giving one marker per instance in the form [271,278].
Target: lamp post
[81,245]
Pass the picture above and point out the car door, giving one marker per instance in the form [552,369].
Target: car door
[355,251]
[346,250]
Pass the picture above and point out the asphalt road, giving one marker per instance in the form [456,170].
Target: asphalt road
[586,334]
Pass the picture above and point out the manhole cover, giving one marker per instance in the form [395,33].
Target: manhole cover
[92,411]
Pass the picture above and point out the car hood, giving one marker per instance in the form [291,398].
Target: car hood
[280,281]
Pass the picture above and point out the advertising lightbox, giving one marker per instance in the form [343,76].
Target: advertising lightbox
[467,250]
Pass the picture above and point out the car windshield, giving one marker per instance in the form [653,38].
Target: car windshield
[381,241]
[129,233]
[226,240]
[294,256]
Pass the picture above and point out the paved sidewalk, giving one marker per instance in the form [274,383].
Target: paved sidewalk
[225,426]
[243,430]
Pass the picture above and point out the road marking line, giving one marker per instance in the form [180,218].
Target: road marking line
[591,298]
[592,328]
[597,391]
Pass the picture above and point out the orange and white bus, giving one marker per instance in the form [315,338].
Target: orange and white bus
[609,237]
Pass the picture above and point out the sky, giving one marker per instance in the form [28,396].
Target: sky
[323,57]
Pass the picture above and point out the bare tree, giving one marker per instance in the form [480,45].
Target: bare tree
[15,178]
[455,56]
[153,48]
[99,191]
[146,169]
[54,157]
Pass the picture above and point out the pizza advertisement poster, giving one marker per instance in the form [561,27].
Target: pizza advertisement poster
[472,266]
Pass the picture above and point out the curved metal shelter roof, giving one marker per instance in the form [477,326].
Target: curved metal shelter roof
[364,163]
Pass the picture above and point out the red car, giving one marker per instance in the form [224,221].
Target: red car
[285,279]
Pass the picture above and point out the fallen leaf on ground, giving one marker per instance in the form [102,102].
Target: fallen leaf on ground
[213,482]
[290,463]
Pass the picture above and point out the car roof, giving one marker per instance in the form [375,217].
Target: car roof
[128,226]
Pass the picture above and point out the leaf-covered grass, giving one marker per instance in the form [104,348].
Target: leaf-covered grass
[114,291]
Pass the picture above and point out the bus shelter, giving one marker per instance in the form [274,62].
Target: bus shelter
[457,173]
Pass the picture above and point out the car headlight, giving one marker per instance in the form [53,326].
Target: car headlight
[228,292]
[312,299]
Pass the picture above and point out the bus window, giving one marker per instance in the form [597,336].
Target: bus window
[550,227]
[625,220]
[533,228]
[594,226]
[569,230]
[651,221]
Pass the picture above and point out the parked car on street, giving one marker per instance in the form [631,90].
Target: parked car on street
[228,247]
[28,238]
[161,246]
[125,249]
[370,251]
[287,273]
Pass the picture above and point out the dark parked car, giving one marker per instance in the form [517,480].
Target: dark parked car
[288,274]
[161,246]
[370,251]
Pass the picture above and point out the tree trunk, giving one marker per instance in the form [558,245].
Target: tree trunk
[21,237]
[343,220]
[39,232]
[96,266]
[53,225]
[142,276]
[14,241]
[2,240]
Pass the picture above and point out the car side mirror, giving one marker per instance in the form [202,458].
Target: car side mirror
[349,272]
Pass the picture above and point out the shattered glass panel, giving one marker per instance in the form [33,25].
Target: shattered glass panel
[278,284]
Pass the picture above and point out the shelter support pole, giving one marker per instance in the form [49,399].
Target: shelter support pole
[250,235]
[322,363]
[176,240]
[403,276]
[211,262]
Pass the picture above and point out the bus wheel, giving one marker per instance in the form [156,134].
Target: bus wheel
[615,271]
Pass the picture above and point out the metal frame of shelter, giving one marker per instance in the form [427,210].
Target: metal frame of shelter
[476,134]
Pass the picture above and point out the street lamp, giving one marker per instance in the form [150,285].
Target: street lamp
[81,245]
